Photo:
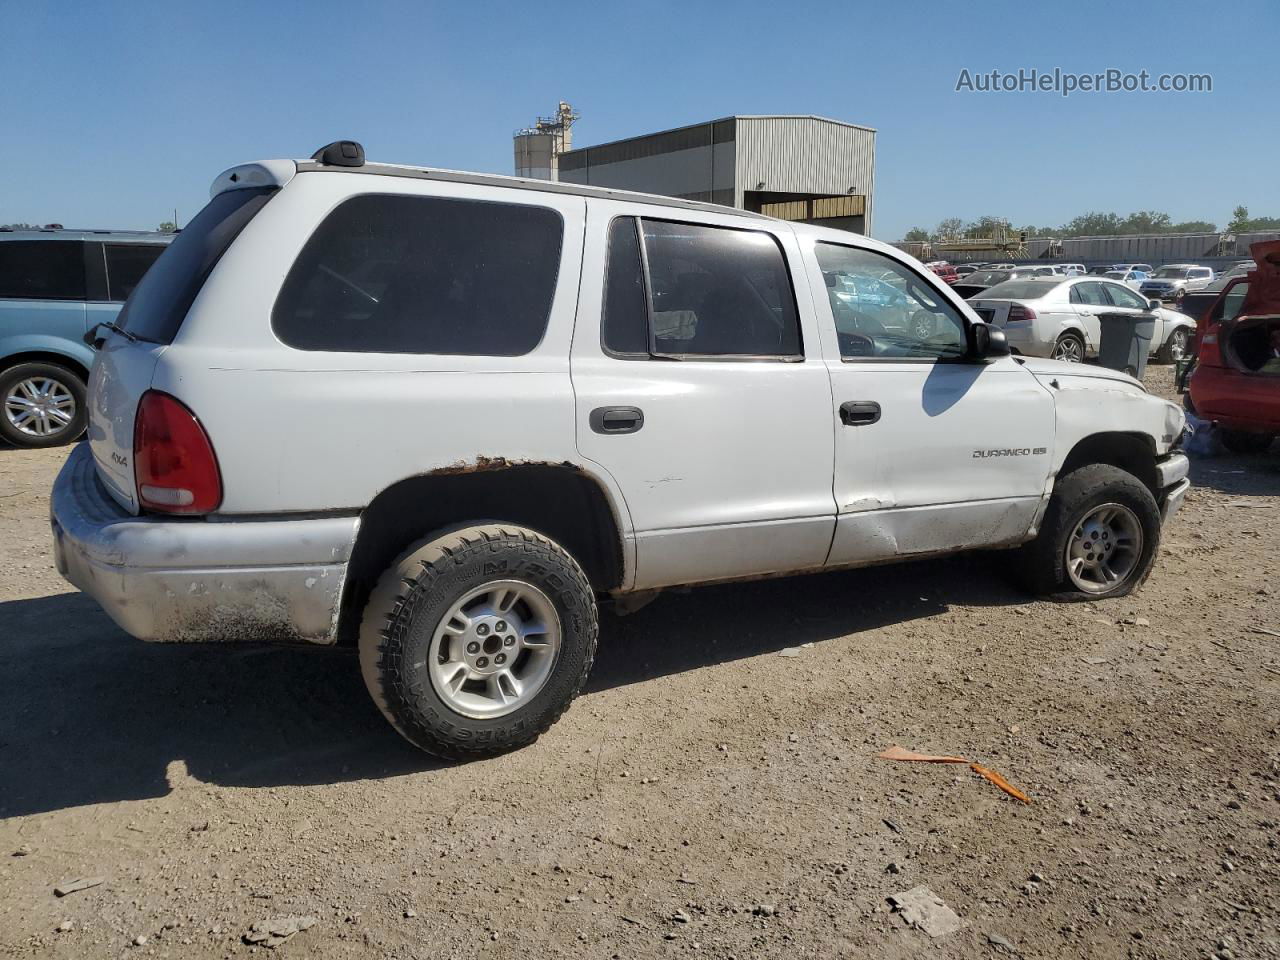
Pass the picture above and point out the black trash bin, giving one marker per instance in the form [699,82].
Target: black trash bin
[1126,341]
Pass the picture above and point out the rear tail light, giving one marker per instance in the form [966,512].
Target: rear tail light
[1018,312]
[173,461]
[1209,351]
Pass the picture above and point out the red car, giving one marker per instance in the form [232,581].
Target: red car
[1236,380]
[944,270]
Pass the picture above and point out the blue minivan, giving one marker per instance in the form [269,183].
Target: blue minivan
[54,286]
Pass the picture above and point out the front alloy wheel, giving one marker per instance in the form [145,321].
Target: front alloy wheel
[1098,539]
[1104,548]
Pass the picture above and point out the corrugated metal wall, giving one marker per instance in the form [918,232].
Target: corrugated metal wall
[805,155]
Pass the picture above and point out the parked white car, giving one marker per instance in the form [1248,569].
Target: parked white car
[437,415]
[1130,278]
[1047,317]
[1174,281]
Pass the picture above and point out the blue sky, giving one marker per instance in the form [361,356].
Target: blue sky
[115,114]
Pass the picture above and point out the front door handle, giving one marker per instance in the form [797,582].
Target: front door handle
[859,413]
[617,419]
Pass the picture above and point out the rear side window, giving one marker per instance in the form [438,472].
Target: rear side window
[711,292]
[1090,294]
[625,325]
[127,263]
[42,269]
[159,303]
[397,274]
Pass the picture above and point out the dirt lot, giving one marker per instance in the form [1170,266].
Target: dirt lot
[706,795]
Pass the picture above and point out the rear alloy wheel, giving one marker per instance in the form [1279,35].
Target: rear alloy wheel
[1099,537]
[1246,442]
[43,405]
[475,641]
[1069,348]
[1175,348]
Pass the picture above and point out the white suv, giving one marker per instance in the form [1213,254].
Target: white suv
[436,415]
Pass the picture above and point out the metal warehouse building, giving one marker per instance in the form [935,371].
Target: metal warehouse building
[797,168]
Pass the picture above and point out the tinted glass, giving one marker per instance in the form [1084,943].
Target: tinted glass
[159,303]
[42,269]
[625,325]
[884,310]
[1020,290]
[397,274]
[1230,306]
[1124,297]
[126,265]
[719,292]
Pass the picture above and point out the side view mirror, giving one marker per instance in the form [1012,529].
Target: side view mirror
[93,337]
[830,279]
[987,342]
[1153,304]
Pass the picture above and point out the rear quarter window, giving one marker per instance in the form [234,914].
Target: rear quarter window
[42,270]
[429,275]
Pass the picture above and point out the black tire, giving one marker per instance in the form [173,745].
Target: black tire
[68,379]
[419,589]
[1070,337]
[1044,566]
[1165,353]
[1246,442]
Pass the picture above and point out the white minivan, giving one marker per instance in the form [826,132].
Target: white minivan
[438,416]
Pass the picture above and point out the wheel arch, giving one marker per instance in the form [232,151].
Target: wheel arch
[1132,452]
[72,363]
[559,500]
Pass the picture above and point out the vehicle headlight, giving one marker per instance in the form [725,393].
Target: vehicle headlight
[1175,419]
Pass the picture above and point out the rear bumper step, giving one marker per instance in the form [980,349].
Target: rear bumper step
[199,580]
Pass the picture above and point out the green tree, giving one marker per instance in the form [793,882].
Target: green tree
[168,226]
[916,235]
[1239,217]
[949,229]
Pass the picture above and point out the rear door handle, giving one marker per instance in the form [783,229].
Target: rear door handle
[617,419]
[859,413]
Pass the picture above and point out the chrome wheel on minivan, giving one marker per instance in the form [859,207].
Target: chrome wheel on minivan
[43,405]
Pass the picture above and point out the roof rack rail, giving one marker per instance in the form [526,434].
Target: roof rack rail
[340,153]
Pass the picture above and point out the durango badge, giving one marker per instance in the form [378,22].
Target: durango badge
[1010,452]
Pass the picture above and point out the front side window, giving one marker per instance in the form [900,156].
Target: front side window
[126,265]
[42,269]
[1124,297]
[884,310]
[429,275]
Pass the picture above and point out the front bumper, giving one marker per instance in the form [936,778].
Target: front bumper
[165,579]
[1171,479]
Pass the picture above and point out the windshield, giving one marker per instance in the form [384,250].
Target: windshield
[1021,289]
[1170,273]
[159,303]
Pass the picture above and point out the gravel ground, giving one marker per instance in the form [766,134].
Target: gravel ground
[706,796]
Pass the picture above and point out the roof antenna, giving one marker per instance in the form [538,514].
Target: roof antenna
[340,153]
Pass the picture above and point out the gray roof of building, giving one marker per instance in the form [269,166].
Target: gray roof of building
[739,116]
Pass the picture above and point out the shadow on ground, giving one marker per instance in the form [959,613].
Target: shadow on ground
[1253,475]
[89,715]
